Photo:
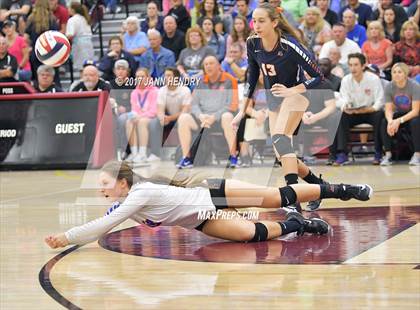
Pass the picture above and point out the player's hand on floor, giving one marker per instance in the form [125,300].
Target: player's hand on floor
[57,241]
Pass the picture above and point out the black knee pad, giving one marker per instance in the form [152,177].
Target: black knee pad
[283,144]
[288,196]
[261,233]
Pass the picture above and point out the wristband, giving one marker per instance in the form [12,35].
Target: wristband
[402,120]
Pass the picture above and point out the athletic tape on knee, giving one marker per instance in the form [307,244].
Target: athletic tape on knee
[283,144]
[288,196]
[261,233]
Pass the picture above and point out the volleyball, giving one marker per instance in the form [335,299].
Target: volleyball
[52,48]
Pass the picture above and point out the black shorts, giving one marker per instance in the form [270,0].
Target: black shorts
[274,102]
[218,196]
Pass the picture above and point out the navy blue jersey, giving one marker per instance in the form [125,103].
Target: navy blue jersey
[283,65]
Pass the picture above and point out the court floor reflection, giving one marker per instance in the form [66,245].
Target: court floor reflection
[355,230]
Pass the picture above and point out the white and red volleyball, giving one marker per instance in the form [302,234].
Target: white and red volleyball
[52,48]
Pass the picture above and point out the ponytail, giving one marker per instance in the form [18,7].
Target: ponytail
[123,170]
[283,27]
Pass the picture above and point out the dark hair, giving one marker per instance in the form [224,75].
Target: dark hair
[283,26]
[338,25]
[234,35]
[114,38]
[246,1]
[359,56]
[122,170]
[174,70]
[215,9]
[81,10]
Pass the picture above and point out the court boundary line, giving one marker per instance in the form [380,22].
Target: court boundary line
[46,284]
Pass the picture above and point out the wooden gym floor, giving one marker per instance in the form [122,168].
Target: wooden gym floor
[371,260]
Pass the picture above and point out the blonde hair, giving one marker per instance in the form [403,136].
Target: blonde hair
[375,24]
[122,170]
[409,23]
[404,68]
[319,24]
[198,30]
[41,16]
[283,26]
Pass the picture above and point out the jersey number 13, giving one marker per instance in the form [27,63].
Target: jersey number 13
[268,70]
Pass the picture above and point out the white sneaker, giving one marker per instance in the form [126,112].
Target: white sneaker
[386,161]
[415,160]
[130,157]
[139,158]
[153,157]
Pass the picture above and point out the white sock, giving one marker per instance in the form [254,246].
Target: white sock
[134,149]
[142,151]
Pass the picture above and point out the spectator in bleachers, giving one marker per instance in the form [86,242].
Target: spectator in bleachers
[234,63]
[240,32]
[414,12]
[322,112]
[296,7]
[214,101]
[243,10]
[157,58]
[16,10]
[402,106]
[315,29]
[79,33]
[361,99]
[40,20]
[45,80]
[287,14]
[355,32]
[326,66]
[338,69]
[378,14]
[377,49]
[210,9]
[173,99]
[173,39]
[120,101]
[329,15]
[407,49]
[111,6]
[135,41]
[116,52]
[214,40]
[340,40]
[362,11]
[191,57]
[228,7]
[61,14]
[144,104]
[153,19]
[8,63]
[90,81]
[18,48]
[392,26]
[181,15]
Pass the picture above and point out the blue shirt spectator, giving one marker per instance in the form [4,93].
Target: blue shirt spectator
[135,41]
[157,58]
[355,32]
[363,11]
